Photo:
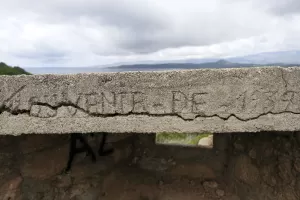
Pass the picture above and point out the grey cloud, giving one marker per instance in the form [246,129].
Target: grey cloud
[133,27]
[286,7]
[143,27]
[43,52]
[278,8]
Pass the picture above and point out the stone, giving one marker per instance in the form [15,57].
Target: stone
[252,153]
[202,100]
[11,189]
[63,181]
[45,164]
[297,164]
[285,170]
[206,141]
[238,146]
[210,184]
[297,186]
[220,192]
[245,171]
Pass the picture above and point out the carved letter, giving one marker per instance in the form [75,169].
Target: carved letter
[124,102]
[198,101]
[179,101]
[287,99]
[92,103]
[108,103]
[138,104]
[270,102]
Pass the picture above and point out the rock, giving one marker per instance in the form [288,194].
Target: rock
[45,164]
[297,164]
[63,181]
[252,154]
[210,184]
[289,193]
[267,150]
[238,146]
[206,141]
[11,189]
[285,170]
[245,171]
[297,186]
[220,192]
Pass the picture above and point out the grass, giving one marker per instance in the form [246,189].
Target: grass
[9,70]
[180,138]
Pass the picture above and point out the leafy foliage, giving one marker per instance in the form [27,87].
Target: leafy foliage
[8,70]
[180,138]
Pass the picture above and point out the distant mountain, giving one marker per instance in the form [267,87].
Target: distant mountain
[8,70]
[280,57]
[148,67]
[218,64]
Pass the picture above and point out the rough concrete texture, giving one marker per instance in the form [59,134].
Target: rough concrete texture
[214,100]
[247,166]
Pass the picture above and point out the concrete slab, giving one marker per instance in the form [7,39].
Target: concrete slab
[215,100]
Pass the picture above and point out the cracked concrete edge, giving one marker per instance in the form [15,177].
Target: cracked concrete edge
[21,124]
[223,100]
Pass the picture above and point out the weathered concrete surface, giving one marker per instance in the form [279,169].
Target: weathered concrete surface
[215,100]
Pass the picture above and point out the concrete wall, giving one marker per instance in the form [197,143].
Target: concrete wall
[214,100]
[240,166]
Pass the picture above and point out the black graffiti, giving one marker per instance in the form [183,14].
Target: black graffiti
[85,148]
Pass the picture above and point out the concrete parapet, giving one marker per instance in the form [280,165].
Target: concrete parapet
[214,100]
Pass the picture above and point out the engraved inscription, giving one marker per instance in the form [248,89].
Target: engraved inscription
[189,103]
[184,103]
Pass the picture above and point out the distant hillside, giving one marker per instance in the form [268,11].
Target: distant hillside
[8,70]
[218,64]
[149,67]
[287,57]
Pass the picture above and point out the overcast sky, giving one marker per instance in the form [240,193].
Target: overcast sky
[95,32]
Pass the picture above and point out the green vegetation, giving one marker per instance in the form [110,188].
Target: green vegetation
[180,138]
[8,70]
